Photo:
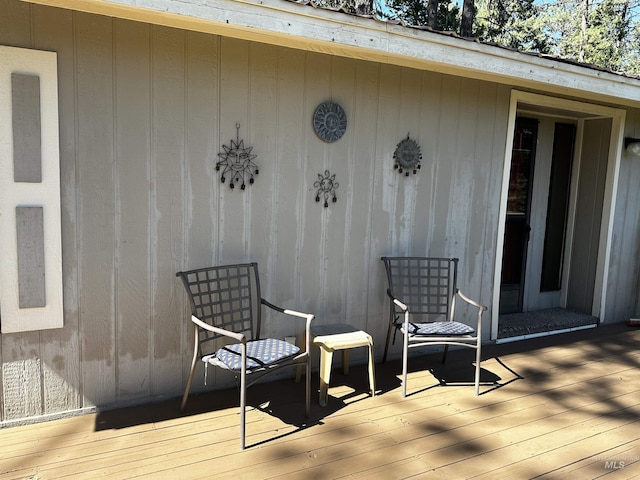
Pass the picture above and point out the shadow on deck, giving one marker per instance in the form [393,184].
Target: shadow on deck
[555,407]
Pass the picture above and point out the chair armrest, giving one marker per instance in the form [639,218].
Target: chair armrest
[481,310]
[471,302]
[307,330]
[307,316]
[396,301]
[240,337]
[402,306]
[271,305]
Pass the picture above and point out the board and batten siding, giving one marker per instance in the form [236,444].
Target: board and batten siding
[144,112]
[624,280]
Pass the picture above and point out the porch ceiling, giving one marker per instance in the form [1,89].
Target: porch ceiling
[294,25]
[556,112]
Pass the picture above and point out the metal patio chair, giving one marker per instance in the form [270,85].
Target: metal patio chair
[422,293]
[226,309]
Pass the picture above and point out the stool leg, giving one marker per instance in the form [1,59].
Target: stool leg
[326,357]
[372,378]
[345,361]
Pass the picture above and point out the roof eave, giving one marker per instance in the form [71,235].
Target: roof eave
[299,26]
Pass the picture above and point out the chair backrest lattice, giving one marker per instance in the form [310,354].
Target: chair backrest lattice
[226,297]
[425,285]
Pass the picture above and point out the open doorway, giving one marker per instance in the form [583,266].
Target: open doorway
[558,188]
[537,213]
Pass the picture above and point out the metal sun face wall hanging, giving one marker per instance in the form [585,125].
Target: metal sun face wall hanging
[326,186]
[329,121]
[407,156]
[237,162]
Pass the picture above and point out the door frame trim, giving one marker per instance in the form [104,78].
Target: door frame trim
[587,110]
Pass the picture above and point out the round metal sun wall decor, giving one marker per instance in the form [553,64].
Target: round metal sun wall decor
[329,121]
[237,163]
[407,156]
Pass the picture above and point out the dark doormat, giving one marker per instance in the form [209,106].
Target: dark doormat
[541,321]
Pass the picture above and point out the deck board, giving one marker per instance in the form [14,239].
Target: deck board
[561,407]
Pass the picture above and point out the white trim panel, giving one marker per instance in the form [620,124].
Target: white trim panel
[44,194]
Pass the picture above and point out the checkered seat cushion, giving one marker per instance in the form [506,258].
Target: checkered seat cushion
[439,328]
[260,354]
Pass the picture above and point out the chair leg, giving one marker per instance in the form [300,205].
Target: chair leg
[194,360]
[308,388]
[444,355]
[300,367]
[185,396]
[372,378]
[405,354]
[386,345]
[243,400]
[478,357]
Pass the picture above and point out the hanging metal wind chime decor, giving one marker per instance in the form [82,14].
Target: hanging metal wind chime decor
[326,187]
[407,156]
[237,163]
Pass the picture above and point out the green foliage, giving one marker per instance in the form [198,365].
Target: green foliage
[414,12]
[448,16]
[631,58]
[510,23]
[360,7]
[603,33]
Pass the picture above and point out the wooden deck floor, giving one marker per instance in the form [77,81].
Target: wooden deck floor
[563,407]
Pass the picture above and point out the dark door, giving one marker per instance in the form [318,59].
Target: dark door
[517,228]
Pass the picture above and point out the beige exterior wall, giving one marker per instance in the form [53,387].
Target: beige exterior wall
[144,112]
[623,300]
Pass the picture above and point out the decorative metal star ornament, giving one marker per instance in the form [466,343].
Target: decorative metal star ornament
[407,156]
[326,186]
[237,162]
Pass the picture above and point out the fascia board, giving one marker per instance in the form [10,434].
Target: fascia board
[300,26]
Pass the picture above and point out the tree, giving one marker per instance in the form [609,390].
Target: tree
[631,57]
[608,27]
[511,23]
[584,25]
[468,13]
[603,34]
[359,7]
[421,13]
[432,13]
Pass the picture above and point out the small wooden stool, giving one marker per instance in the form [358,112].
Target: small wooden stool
[340,337]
